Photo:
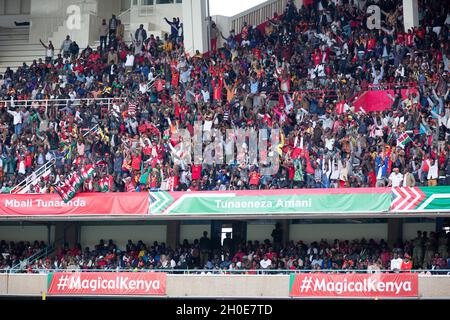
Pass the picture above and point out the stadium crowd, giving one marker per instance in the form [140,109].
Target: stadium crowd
[422,253]
[291,73]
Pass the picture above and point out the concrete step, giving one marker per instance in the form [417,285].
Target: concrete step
[10,42]
[6,31]
[28,53]
[15,64]
[22,47]
[13,36]
[19,58]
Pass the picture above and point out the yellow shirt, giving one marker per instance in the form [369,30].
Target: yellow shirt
[167,46]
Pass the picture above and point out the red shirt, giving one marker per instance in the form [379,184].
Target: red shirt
[136,162]
[254,178]
[406,265]
[175,79]
[409,39]
[196,171]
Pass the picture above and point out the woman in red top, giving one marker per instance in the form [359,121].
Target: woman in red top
[407,263]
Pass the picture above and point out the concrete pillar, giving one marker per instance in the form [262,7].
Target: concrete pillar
[216,229]
[395,230]
[410,14]
[66,232]
[195,29]
[173,234]
[285,227]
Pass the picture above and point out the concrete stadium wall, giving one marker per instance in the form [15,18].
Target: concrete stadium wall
[260,232]
[193,231]
[227,286]
[3,284]
[410,229]
[25,233]
[91,235]
[178,286]
[25,285]
[434,287]
[341,231]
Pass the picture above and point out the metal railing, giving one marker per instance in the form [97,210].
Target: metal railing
[264,272]
[32,179]
[36,103]
[258,14]
[145,8]
[31,259]
[125,16]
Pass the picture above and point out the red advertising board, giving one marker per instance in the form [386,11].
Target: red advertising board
[82,204]
[107,283]
[354,285]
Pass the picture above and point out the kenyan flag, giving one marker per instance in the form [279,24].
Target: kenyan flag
[403,140]
[87,172]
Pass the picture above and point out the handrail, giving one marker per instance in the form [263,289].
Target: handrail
[28,259]
[60,101]
[123,16]
[258,14]
[33,177]
[264,272]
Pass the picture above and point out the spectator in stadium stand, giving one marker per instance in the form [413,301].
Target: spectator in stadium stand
[250,257]
[205,248]
[120,32]
[174,27]
[395,178]
[214,35]
[228,244]
[418,250]
[65,47]
[103,31]
[406,263]
[299,75]
[112,25]
[277,235]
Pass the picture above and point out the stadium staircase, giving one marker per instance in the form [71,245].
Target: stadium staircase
[15,48]
[43,171]
[41,254]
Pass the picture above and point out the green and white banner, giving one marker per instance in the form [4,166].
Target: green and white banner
[271,202]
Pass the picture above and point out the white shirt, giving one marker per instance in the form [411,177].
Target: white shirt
[265,263]
[205,95]
[433,170]
[396,263]
[396,179]
[17,116]
[130,60]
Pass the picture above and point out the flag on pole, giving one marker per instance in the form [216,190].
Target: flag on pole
[403,140]
[340,107]
[423,129]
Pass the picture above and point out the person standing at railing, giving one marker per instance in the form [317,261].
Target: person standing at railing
[17,119]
